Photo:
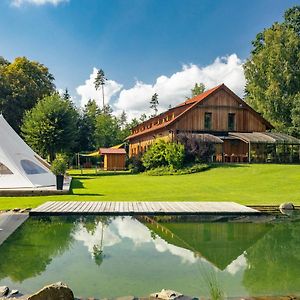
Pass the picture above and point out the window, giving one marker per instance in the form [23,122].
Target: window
[31,168]
[207,120]
[231,122]
[4,170]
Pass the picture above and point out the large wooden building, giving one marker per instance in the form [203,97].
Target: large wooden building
[218,116]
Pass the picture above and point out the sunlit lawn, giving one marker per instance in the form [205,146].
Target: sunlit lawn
[246,184]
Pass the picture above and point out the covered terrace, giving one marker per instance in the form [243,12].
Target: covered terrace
[262,147]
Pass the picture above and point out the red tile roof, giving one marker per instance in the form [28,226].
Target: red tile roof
[200,97]
[184,107]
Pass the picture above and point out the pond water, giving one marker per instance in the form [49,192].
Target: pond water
[117,256]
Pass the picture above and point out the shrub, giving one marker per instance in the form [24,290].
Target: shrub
[135,165]
[197,148]
[164,153]
[59,165]
[174,155]
[155,156]
[166,170]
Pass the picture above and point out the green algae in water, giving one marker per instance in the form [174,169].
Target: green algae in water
[116,256]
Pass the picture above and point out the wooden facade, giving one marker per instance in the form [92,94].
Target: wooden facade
[217,111]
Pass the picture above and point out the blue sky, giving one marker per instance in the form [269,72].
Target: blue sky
[131,39]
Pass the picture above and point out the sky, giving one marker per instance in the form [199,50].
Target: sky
[143,46]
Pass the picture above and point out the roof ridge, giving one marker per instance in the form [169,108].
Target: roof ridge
[191,105]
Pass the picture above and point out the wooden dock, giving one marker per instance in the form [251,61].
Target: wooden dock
[142,208]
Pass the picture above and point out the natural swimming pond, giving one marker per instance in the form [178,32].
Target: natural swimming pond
[116,256]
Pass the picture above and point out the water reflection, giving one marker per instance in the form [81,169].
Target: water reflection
[96,254]
[31,248]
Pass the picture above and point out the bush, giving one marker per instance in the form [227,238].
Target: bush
[162,154]
[59,165]
[198,148]
[135,165]
[161,171]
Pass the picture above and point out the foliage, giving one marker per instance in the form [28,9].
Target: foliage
[106,130]
[166,170]
[22,84]
[59,165]
[135,164]
[143,117]
[197,148]
[277,261]
[154,104]
[198,89]
[292,18]
[23,262]
[295,129]
[100,128]
[174,155]
[50,127]
[273,71]
[87,126]
[163,153]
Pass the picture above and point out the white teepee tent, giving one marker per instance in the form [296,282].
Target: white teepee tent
[20,166]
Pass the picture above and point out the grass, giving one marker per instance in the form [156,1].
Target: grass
[246,184]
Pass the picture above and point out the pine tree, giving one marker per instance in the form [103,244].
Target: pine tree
[154,103]
[100,81]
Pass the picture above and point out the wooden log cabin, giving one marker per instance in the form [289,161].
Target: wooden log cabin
[218,116]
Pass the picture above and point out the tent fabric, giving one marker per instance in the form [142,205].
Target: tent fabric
[117,146]
[92,154]
[20,166]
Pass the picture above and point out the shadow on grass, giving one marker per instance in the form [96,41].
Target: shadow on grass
[100,174]
[77,184]
[228,165]
[86,194]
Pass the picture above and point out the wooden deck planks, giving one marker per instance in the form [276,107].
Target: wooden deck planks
[141,208]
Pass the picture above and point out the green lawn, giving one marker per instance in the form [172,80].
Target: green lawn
[246,184]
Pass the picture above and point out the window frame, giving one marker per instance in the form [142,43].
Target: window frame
[208,122]
[231,123]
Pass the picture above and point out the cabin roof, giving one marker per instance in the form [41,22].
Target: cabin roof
[188,105]
[111,151]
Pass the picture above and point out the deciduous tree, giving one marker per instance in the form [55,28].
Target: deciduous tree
[22,84]
[198,89]
[273,72]
[51,126]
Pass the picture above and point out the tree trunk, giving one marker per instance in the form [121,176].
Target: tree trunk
[103,95]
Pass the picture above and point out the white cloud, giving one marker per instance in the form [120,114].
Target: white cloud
[174,89]
[139,234]
[19,3]
[171,90]
[240,263]
[90,240]
[87,90]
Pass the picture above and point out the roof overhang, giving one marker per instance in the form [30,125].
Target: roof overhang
[265,138]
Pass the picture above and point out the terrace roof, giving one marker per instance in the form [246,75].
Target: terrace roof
[265,138]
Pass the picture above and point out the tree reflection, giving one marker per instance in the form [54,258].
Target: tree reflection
[91,224]
[219,243]
[32,247]
[274,262]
